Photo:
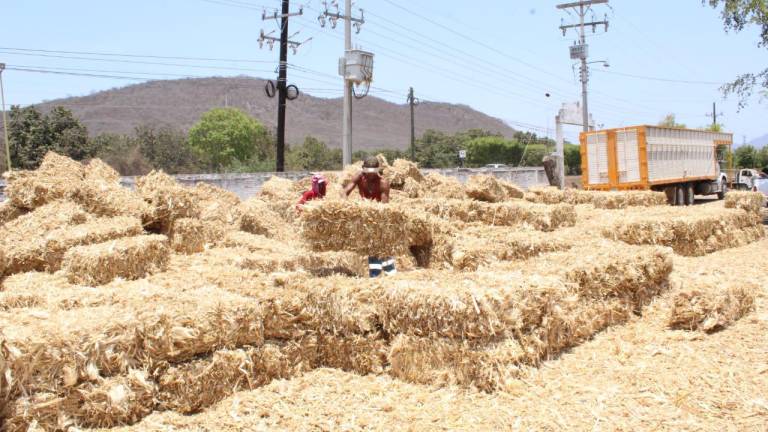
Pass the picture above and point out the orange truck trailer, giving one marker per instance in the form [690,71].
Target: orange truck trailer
[680,162]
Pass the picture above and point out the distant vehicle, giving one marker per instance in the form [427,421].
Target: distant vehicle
[679,162]
[496,166]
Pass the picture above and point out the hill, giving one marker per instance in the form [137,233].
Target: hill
[180,103]
[759,141]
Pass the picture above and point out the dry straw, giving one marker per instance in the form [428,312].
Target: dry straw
[400,171]
[749,201]
[217,204]
[277,188]
[442,187]
[194,235]
[606,200]
[257,217]
[485,188]
[167,199]
[711,308]
[57,178]
[127,258]
[9,212]
[539,216]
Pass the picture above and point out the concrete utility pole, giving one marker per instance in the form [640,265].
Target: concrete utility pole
[580,51]
[282,77]
[714,115]
[349,22]
[412,101]
[5,120]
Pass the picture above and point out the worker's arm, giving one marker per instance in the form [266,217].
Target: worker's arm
[351,186]
[302,200]
[384,190]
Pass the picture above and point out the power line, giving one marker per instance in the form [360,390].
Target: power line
[669,80]
[112,54]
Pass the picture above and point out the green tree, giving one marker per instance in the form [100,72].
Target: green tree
[736,15]
[166,148]
[33,134]
[390,154]
[670,121]
[122,152]
[225,135]
[314,154]
[437,150]
[493,149]
[572,159]
[746,156]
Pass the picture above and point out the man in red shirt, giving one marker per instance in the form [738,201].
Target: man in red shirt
[319,183]
[373,186]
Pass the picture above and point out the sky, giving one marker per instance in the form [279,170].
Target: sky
[501,57]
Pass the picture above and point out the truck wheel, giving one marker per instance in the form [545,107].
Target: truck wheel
[670,192]
[679,195]
[689,194]
[723,190]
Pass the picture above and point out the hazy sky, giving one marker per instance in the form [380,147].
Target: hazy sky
[498,56]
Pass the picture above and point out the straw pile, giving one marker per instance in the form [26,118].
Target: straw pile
[749,201]
[367,228]
[194,235]
[485,188]
[168,201]
[102,194]
[619,200]
[540,217]
[442,187]
[545,195]
[9,212]
[57,178]
[689,233]
[257,217]
[97,170]
[412,188]
[127,258]
[710,308]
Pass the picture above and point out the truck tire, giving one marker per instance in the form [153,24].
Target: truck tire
[671,194]
[690,196]
[679,195]
[723,190]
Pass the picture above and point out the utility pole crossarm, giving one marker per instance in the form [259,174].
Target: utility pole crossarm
[586,24]
[581,4]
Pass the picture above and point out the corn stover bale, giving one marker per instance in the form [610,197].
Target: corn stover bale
[689,233]
[545,195]
[217,204]
[749,201]
[257,217]
[23,239]
[619,200]
[9,212]
[111,199]
[479,246]
[400,171]
[512,190]
[168,201]
[103,403]
[364,227]
[540,217]
[485,188]
[194,235]
[277,188]
[440,361]
[443,187]
[97,170]
[711,307]
[57,178]
[126,258]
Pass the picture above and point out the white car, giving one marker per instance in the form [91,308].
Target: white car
[496,166]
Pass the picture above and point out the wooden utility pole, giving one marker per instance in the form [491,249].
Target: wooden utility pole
[412,101]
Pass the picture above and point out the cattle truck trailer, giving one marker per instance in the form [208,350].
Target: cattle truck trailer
[679,162]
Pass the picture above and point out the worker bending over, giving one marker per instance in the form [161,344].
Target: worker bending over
[372,186]
[319,183]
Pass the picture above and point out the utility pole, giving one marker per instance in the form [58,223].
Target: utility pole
[5,120]
[714,115]
[412,101]
[580,50]
[349,21]
[282,77]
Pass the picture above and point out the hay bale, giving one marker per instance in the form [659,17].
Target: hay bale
[619,200]
[97,170]
[167,199]
[257,217]
[363,354]
[442,187]
[444,362]
[194,235]
[412,188]
[107,199]
[57,178]
[689,233]
[400,171]
[710,308]
[127,258]
[749,201]
[485,188]
[277,188]
[9,212]
[106,403]
[217,204]
[23,239]
[56,350]
[512,190]
[367,228]
[545,195]
[540,217]
[480,246]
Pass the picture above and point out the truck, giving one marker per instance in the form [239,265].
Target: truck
[681,163]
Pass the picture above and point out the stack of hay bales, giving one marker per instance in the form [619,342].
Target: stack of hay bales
[168,201]
[605,200]
[442,187]
[749,201]
[710,307]
[57,178]
[541,217]
[257,217]
[400,171]
[689,233]
[277,188]
[490,189]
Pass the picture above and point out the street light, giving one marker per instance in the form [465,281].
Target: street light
[604,62]
[5,119]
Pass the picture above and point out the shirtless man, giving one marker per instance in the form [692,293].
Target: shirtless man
[373,186]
